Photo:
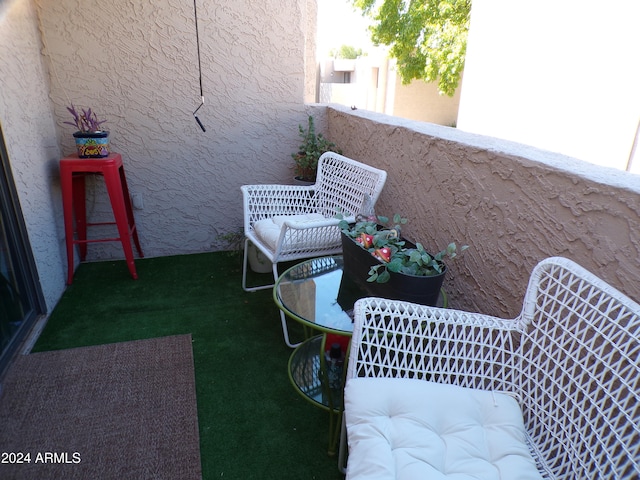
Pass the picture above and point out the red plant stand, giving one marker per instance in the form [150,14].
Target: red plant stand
[73,171]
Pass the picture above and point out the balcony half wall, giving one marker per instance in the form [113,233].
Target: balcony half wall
[512,204]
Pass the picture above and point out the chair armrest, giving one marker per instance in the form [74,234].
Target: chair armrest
[400,339]
[310,237]
[306,225]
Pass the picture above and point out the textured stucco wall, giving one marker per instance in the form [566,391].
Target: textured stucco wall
[310,30]
[135,63]
[30,136]
[514,205]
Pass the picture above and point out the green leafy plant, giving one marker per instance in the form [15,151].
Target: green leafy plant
[86,121]
[312,147]
[347,52]
[382,239]
[428,39]
[232,242]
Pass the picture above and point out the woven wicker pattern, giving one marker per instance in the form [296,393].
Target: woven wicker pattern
[571,358]
[342,184]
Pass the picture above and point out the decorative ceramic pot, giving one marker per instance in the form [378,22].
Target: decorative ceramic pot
[92,144]
[409,288]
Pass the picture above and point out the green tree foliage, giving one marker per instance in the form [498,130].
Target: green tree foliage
[428,38]
[346,52]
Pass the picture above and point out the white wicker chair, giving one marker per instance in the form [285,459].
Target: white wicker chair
[289,222]
[571,359]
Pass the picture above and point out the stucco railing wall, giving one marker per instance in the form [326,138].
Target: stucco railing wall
[514,205]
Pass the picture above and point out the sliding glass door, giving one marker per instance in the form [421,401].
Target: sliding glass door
[21,300]
[12,304]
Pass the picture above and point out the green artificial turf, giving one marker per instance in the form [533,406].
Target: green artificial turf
[253,425]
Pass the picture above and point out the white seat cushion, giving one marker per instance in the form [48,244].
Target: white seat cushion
[414,429]
[268,230]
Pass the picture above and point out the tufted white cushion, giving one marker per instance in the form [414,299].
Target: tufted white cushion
[268,230]
[414,429]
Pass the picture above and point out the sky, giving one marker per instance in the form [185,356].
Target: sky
[339,24]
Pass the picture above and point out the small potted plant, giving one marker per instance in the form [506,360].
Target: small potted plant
[91,140]
[383,263]
[312,147]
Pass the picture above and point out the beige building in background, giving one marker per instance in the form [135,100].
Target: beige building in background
[372,83]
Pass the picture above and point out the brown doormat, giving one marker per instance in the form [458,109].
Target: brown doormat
[119,411]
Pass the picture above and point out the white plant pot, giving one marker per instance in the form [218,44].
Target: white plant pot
[257,261]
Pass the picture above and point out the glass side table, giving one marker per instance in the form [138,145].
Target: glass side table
[317,294]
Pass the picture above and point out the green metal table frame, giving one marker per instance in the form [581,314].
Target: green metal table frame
[316,288]
[308,375]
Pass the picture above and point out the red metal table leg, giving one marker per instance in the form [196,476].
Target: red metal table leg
[129,208]
[66,184]
[114,188]
[80,211]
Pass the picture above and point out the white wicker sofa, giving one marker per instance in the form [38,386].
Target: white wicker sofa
[444,394]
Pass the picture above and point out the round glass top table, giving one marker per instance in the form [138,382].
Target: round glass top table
[317,294]
[314,293]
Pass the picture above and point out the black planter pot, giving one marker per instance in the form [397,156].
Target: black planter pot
[92,144]
[409,288]
[304,182]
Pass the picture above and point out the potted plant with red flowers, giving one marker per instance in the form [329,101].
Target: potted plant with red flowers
[383,263]
[91,140]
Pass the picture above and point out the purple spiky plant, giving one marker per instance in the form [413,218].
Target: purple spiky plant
[85,122]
